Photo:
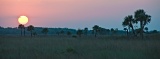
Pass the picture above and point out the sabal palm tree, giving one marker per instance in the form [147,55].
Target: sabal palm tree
[108,31]
[102,31]
[146,28]
[129,21]
[95,29]
[21,27]
[112,30]
[30,28]
[24,30]
[86,31]
[79,32]
[125,29]
[143,18]
[45,31]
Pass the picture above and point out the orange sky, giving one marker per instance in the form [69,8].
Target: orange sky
[67,13]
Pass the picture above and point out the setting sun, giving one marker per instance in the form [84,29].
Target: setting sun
[23,20]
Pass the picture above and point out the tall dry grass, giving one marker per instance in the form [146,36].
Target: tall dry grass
[85,47]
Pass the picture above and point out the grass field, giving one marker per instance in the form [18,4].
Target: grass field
[104,47]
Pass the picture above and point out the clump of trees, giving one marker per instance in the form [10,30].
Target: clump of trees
[140,17]
[45,31]
[96,30]
[86,31]
[22,28]
[102,31]
[129,21]
[30,28]
[79,32]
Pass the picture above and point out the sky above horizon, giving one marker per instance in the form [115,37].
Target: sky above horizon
[76,13]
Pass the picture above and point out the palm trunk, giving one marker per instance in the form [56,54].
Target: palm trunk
[141,32]
[31,33]
[133,31]
[21,31]
[24,31]
[95,34]
[127,32]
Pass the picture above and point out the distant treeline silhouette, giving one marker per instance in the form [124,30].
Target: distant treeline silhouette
[64,31]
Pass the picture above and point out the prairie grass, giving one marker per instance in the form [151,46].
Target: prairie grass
[85,47]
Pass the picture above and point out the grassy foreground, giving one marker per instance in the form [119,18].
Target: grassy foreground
[79,48]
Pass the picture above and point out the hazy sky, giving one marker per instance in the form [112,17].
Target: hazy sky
[76,13]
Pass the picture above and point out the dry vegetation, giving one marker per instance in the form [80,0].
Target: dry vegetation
[88,47]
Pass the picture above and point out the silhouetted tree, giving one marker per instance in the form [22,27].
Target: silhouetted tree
[95,29]
[108,31]
[146,28]
[126,30]
[112,30]
[137,31]
[45,31]
[86,31]
[24,30]
[30,28]
[21,27]
[79,32]
[143,18]
[102,31]
[129,21]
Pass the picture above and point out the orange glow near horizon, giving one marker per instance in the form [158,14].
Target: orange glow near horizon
[23,20]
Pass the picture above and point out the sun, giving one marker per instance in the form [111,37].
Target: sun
[23,20]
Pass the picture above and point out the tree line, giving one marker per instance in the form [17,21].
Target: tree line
[95,30]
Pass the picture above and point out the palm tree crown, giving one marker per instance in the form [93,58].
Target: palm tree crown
[79,32]
[86,31]
[129,21]
[96,29]
[140,15]
[143,18]
[30,28]
[21,27]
